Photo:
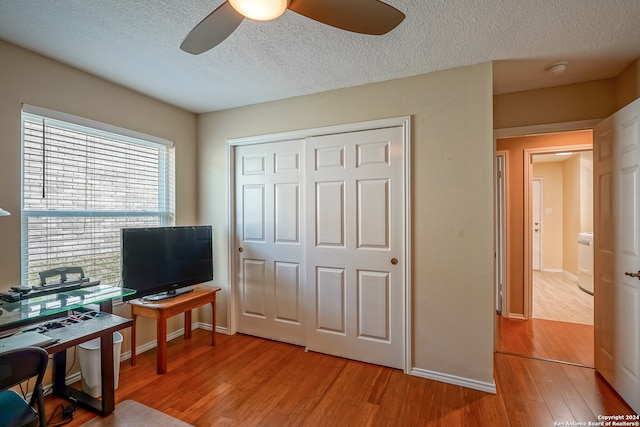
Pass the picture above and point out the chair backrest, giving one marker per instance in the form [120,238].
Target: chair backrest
[22,364]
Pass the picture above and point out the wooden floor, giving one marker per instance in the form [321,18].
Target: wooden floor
[247,381]
[546,339]
[555,297]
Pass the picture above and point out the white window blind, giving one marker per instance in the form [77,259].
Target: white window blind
[82,182]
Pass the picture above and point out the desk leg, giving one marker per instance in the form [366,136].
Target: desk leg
[108,380]
[106,306]
[59,371]
[213,320]
[133,340]
[162,345]
[187,324]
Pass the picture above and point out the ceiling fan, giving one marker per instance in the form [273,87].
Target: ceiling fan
[359,16]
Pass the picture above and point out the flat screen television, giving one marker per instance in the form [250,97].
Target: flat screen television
[162,262]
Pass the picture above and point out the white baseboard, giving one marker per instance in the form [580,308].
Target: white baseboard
[208,327]
[455,380]
[518,316]
[201,325]
[178,333]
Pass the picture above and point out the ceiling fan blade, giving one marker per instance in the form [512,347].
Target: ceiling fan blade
[212,30]
[359,16]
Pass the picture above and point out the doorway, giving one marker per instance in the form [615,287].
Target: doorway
[615,339]
[520,230]
[561,209]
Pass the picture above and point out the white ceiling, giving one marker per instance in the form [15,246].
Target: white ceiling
[136,44]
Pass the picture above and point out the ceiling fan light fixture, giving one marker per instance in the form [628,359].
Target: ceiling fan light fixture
[260,10]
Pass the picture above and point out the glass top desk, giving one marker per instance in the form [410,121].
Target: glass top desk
[58,308]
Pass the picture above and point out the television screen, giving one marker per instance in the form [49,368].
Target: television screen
[164,260]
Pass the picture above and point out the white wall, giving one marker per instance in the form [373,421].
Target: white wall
[452,200]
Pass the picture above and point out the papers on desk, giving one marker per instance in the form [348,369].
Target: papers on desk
[25,339]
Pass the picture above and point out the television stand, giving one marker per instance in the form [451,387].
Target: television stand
[168,294]
[162,310]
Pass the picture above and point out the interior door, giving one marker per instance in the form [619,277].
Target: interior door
[617,252]
[355,248]
[536,206]
[270,240]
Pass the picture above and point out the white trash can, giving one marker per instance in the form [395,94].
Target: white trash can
[91,366]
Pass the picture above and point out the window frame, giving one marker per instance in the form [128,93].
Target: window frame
[166,175]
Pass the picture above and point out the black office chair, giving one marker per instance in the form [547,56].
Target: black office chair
[17,366]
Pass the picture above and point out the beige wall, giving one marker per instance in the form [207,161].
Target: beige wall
[584,101]
[572,214]
[578,200]
[560,104]
[551,176]
[586,191]
[628,85]
[452,199]
[29,78]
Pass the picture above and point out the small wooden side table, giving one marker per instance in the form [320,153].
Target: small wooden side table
[163,309]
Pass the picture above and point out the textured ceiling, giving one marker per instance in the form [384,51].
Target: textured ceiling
[136,44]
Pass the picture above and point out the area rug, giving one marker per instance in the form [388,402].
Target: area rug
[130,413]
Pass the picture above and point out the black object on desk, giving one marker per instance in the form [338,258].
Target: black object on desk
[10,296]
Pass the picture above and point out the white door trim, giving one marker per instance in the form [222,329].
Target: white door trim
[545,128]
[405,123]
[501,229]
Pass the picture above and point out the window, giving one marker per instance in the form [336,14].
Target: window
[82,182]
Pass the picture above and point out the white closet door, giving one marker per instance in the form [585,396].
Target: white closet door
[355,245]
[270,240]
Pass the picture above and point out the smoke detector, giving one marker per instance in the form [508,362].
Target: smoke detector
[556,67]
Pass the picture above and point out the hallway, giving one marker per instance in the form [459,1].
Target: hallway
[561,327]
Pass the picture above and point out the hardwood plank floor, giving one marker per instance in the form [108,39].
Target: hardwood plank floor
[248,381]
[546,339]
[555,297]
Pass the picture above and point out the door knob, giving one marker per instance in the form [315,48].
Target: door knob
[394,261]
[240,249]
[633,274]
